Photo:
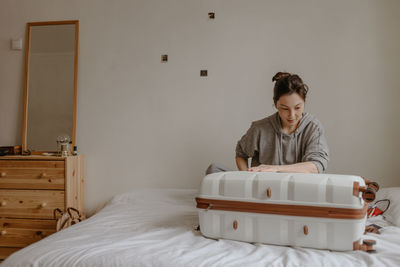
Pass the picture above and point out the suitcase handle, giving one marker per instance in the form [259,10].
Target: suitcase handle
[269,192]
[305,229]
[235,224]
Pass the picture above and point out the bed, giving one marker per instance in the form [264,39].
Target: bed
[157,228]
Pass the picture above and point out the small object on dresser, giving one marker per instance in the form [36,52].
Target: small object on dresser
[75,153]
[10,150]
[49,154]
[63,145]
[4,151]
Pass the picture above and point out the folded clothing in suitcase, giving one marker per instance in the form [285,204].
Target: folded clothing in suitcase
[324,211]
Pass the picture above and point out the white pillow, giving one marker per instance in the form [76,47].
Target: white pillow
[392,215]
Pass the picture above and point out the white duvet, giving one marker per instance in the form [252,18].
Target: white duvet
[155,228]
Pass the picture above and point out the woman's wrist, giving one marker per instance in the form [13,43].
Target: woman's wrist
[241,164]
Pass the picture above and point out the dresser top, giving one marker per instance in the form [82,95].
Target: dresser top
[34,157]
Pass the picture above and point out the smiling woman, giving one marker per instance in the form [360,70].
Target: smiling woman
[289,140]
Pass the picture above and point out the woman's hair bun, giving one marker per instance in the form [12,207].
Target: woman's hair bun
[287,83]
[280,75]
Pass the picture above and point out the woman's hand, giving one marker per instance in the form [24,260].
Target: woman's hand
[302,167]
[265,168]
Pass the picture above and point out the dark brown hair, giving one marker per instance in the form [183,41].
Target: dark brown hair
[286,83]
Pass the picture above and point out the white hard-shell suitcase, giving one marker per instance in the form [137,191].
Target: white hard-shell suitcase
[324,211]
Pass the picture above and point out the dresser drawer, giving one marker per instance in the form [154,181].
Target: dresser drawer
[21,232]
[30,203]
[31,174]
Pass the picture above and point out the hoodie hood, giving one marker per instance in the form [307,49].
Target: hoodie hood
[276,124]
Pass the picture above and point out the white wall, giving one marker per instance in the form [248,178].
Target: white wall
[142,123]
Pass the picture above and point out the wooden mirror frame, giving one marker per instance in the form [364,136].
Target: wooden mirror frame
[27,50]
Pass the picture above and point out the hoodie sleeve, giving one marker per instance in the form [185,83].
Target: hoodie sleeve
[248,145]
[317,150]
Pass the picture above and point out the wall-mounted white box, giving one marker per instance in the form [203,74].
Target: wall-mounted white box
[16,44]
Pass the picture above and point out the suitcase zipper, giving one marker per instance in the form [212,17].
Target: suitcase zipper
[282,209]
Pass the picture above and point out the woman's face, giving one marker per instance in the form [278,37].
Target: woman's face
[290,109]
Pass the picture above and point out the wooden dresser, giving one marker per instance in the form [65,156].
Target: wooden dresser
[31,187]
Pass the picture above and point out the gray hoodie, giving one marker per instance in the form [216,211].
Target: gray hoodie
[266,143]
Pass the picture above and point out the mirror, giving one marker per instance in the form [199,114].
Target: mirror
[51,63]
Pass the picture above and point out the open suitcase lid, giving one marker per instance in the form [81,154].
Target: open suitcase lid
[303,189]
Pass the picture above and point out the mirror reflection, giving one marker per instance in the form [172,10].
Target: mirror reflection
[51,83]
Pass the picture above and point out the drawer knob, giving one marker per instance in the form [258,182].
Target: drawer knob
[44,204]
[3,174]
[3,232]
[269,192]
[305,229]
[43,175]
[3,203]
[235,224]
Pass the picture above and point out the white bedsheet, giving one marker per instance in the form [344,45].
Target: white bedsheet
[155,228]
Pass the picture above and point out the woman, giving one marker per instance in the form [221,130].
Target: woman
[289,140]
